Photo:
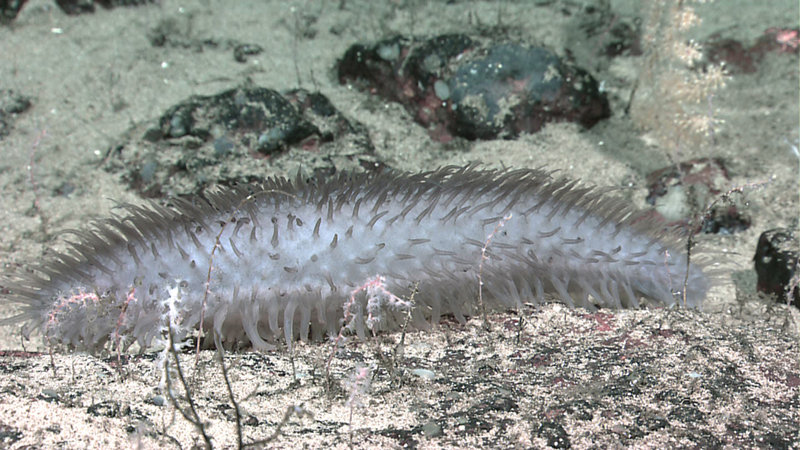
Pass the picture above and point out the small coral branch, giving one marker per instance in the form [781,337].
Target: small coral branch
[484,257]
[359,384]
[378,298]
[705,216]
[80,298]
[190,413]
[118,338]
[32,179]
[291,410]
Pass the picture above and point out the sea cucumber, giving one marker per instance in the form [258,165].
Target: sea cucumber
[289,252]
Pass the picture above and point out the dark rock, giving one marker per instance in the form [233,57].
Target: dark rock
[736,57]
[11,104]
[651,423]
[178,33]
[776,261]
[696,189]
[170,32]
[329,124]
[242,51]
[725,219]
[579,409]
[108,409]
[157,400]
[48,395]
[513,89]
[494,404]
[74,7]
[259,116]
[403,438]
[776,441]
[554,433]
[686,414]
[741,58]
[9,435]
[432,429]
[228,138]
[606,33]
[472,425]
[9,10]
[456,86]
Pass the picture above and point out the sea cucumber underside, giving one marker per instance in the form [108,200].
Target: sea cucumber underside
[289,253]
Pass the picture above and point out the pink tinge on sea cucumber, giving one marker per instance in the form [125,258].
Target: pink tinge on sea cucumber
[278,261]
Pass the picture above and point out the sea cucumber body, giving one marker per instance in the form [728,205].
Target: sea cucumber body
[290,253]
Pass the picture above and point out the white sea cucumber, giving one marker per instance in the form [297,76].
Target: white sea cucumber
[290,252]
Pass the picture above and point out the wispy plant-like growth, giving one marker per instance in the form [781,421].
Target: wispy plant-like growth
[674,97]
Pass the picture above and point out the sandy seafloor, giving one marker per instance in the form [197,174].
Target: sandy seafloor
[728,376]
